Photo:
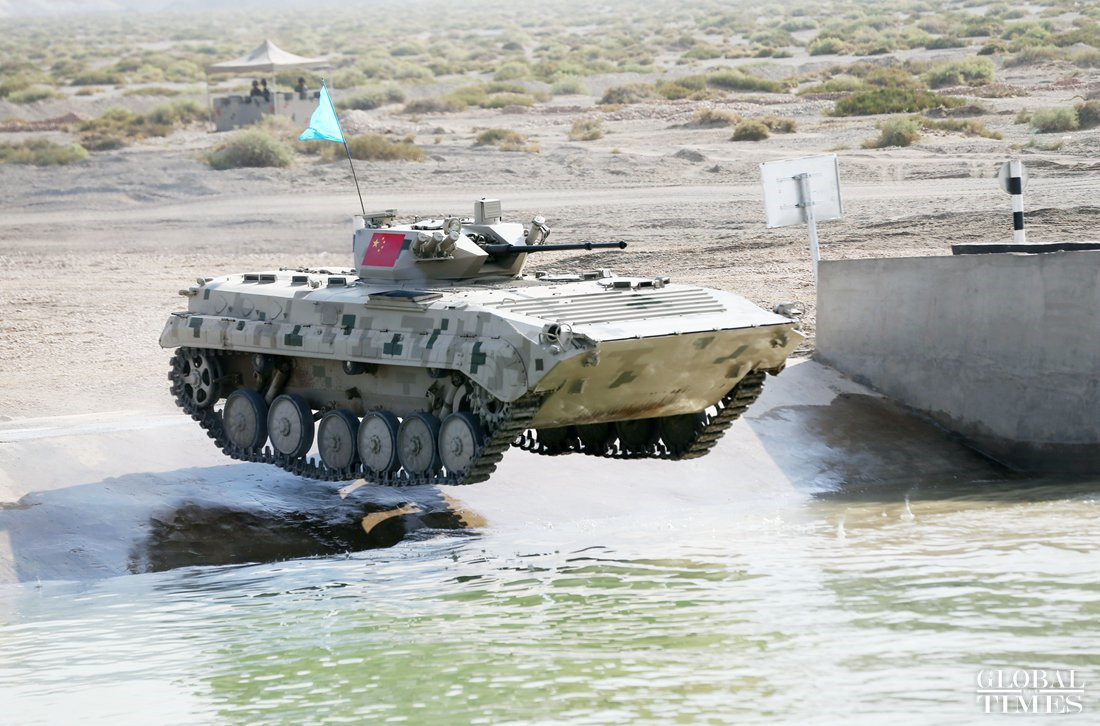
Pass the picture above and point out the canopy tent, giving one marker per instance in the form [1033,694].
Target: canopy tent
[267,57]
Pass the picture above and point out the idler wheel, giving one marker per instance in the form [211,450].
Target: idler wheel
[199,374]
[416,444]
[636,435]
[377,443]
[680,432]
[245,419]
[459,442]
[596,438]
[290,425]
[336,439]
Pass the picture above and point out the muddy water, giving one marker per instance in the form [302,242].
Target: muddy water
[859,604]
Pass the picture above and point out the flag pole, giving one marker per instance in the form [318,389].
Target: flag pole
[346,149]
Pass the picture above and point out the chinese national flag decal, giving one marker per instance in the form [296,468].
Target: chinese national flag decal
[383,249]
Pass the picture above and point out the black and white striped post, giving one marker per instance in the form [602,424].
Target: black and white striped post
[1013,178]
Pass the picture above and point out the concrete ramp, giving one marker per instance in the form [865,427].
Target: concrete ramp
[1000,348]
[99,496]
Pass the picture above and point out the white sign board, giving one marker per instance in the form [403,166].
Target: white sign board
[783,189]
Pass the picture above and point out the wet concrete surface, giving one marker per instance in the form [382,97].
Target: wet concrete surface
[99,496]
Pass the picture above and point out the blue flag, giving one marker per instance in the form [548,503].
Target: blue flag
[323,124]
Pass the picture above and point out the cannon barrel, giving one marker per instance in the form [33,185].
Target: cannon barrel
[505,249]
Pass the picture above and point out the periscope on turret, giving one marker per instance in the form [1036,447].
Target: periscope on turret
[436,353]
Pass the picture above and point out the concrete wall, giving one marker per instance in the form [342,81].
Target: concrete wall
[231,112]
[1003,349]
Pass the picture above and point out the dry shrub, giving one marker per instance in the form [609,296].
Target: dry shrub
[895,132]
[750,130]
[1088,114]
[710,117]
[1054,120]
[505,140]
[587,129]
[252,148]
[779,124]
[630,93]
[41,152]
[376,147]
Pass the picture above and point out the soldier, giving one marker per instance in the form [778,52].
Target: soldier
[301,87]
[263,89]
[255,90]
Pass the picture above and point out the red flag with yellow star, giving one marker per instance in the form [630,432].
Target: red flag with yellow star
[383,249]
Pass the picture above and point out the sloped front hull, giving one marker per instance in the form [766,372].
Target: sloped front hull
[659,376]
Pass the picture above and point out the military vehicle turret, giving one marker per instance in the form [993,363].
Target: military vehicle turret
[436,353]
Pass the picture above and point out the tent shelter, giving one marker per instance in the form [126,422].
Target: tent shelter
[234,111]
[266,58]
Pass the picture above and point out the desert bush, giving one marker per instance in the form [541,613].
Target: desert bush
[709,117]
[503,100]
[372,99]
[505,140]
[512,70]
[967,71]
[1085,58]
[839,84]
[251,148]
[694,87]
[631,93]
[494,95]
[569,86]
[408,47]
[1088,114]
[376,147]
[703,51]
[348,78]
[1053,120]
[41,152]
[117,127]
[587,129]
[779,124]
[13,84]
[32,94]
[735,80]
[892,100]
[1023,116]
[945,41]
[178,113]
[828,46]
[99,77]
[750,130]
[142,91]
[895,132]
[967,127]
[1036,55]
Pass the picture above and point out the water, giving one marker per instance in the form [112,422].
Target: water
[858,606]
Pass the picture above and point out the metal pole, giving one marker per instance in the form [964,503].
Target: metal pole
[346,149]
[811,221]
[1016,189]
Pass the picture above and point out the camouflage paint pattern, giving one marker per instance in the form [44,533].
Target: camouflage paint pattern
[603,349]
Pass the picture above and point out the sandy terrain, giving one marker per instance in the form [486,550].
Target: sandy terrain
[91,255]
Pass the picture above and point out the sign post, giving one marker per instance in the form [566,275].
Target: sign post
[802,191]
[1013,178]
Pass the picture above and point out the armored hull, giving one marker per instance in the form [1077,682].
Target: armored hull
[411,374]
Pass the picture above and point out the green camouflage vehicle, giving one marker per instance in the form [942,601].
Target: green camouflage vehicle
[434,355]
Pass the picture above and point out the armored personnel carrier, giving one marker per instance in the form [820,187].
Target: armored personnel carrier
[436,353]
